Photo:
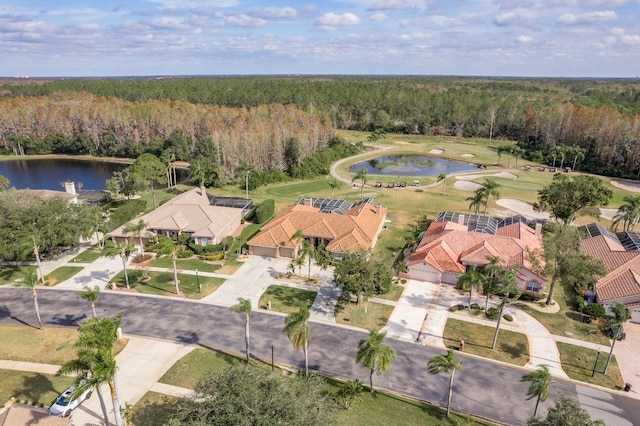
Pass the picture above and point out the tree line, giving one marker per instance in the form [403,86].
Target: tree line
[81,123]
[599,116]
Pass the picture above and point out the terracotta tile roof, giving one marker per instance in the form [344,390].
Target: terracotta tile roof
[355,230]
[448,246]
[623,268]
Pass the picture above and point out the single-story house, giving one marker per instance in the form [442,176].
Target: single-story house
[337,224]
[620,253]
[193,213]
[455,241]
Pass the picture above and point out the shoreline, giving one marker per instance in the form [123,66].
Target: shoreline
[82,157]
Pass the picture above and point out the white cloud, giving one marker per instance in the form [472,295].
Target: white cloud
[630,39]
[397,5]
[524,39]
[379,17]
[414,36]
[243,20]
[274,12]
[588,18]
[331,20]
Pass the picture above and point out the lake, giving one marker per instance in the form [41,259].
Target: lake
[50,172]
[411,165]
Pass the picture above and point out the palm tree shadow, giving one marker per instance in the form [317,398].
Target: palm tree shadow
[6,313]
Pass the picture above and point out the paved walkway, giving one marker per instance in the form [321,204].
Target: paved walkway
[423,309]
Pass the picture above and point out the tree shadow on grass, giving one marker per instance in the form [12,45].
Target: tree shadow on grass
[149,413]
[514,350]
[35,387]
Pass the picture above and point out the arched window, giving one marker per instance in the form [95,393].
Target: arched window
[533,286]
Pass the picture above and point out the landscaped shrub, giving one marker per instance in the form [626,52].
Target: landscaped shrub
[492,313]
[212,257]
[456,308]
[595,310]
[265,211]
[531,297]
[184,253]
[507,317]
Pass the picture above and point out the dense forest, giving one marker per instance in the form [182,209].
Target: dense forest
[600,116]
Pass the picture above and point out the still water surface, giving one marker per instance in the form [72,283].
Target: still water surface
[49,173]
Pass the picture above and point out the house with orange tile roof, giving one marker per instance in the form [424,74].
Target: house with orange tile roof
[620,253]
[206,218]
[337,224]
[455,241]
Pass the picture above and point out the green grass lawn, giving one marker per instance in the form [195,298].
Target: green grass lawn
[367,315]
[10,274]
[566,322]
[62,273]
[161,283]
[153,409]
[89,255]
[186,372]
[52,345]
[393,294]
[37,388]
[578,363]
[511,347]
[286,299]
[184,264]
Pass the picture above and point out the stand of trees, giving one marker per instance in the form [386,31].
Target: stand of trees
[599,116]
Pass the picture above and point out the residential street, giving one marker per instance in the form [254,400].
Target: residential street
[483,388]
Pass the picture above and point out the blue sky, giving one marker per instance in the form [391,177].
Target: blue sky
[554,38]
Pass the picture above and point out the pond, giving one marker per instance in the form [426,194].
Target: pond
[411,165]
[49,173]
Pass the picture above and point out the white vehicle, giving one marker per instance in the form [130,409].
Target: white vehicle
[64,405]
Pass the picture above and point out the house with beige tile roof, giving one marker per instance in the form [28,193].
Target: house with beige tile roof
[337,224]
[455,241]
[620,253]
[193,212]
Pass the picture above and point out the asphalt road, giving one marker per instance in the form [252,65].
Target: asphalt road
[483,388]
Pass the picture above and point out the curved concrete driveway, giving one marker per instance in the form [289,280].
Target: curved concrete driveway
[484,388]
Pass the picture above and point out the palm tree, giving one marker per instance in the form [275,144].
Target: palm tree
[33,245]
[476,200]
[136,229]
[539,387]
[30,280]
[90,295]
[628,213]
[244,307]
[442,178]
[490,270]
[374,355]
[296,238]
[467,280]
[96,360]
[445,364]
[621,315]
[509,288]
[578,154]
[361,175]
[174,258]
[489,188]
[296,327]
[122,249]
[309,251]
[333,184]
